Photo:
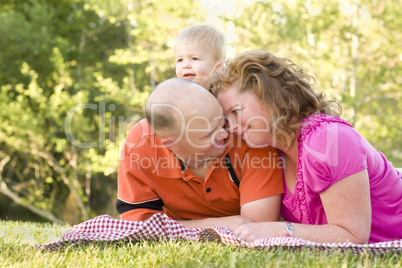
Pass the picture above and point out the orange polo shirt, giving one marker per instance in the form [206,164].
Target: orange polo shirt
[151,180]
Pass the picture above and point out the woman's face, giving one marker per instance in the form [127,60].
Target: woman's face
[247,116]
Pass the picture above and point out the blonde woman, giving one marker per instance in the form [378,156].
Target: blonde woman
[338,188]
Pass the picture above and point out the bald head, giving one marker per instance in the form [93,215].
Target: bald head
[174,101]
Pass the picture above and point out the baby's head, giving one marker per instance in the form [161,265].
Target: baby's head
[199,51]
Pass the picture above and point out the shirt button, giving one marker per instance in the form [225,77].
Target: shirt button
[208,190]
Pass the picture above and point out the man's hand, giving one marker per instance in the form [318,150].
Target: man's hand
[233,222]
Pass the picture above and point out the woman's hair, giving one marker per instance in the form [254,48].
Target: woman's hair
[283,86]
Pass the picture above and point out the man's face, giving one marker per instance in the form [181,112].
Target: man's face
[202,137]
[194,60]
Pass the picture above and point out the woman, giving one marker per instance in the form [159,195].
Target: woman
[338,188]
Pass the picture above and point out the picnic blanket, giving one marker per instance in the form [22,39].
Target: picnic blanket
[107,229]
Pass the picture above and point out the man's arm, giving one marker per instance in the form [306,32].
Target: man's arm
[231,221]
[138,212]
[136,200]
[266,209]
[261,185]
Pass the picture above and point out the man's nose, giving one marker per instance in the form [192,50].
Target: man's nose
[223,134]
[232,126]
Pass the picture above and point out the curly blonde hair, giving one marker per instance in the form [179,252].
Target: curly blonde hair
[283,86]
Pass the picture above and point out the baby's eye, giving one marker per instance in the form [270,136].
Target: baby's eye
[195,58]
[179,60]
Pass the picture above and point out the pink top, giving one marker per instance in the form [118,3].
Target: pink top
[329,150]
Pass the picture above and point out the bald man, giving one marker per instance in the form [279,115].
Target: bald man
[181,161]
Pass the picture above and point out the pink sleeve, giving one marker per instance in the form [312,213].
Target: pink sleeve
[331,152]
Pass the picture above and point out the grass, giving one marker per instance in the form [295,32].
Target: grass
[17,240]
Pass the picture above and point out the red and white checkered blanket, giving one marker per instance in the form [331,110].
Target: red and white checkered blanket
[107,229]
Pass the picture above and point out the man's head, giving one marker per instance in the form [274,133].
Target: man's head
[199,51]
[188,120]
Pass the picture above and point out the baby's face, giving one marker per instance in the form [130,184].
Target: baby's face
[194,61]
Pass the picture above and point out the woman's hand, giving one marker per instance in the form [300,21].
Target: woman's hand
[250,232]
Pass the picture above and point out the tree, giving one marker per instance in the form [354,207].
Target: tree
[68,96]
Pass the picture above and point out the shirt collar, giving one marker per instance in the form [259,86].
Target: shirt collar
[168,164]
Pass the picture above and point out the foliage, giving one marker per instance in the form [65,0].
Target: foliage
[68,96]
[17,240]
[75,74]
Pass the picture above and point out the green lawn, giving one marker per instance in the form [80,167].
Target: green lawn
[18,239]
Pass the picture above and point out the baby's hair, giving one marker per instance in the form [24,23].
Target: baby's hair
[197,32]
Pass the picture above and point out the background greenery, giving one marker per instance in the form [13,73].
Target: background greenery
[75,74]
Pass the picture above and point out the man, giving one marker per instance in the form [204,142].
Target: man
[182,162]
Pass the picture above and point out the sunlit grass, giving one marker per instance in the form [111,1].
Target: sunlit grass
[18,240]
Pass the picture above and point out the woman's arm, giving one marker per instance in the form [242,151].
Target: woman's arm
[348,210]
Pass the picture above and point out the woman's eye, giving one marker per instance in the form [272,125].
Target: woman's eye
[236,110]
